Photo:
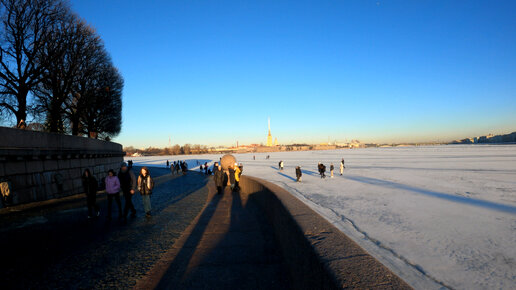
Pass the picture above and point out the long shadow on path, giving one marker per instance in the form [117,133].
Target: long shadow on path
[231,247]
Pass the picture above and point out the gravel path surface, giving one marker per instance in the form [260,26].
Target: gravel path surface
[56,246]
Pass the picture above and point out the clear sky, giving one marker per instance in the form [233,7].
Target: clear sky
[211,72]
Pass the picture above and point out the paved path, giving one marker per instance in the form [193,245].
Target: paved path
[228,246]
[53,245]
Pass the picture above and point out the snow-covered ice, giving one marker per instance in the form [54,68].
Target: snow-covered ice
[438,216]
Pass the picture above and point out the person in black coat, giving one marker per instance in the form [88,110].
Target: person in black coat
[90,186]
[298,173]
[231,177]
[128,186]
[219,179]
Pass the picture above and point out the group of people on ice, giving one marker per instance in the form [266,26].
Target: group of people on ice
[178,166]
[124,182]
[322,169]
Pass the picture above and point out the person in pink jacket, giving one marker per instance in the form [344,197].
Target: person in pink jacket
[113,191]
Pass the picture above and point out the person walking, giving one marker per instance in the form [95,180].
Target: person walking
[219,179]
[238,173]
[168,163]
[128,185]
[341,167]
[145,187]
[173,168]
[215,167]
[206,168]
[201,168]
[281,165]
[231,177]
[298,173]
[177,168]
[113,191]
[331,170]
[323,170]
[90,186]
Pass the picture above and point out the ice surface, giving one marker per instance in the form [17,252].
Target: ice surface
[438,216]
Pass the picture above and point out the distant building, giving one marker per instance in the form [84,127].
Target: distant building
[269,137]
[276,142]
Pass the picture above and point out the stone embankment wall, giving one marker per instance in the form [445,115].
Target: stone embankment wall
[317,254]
[41,166]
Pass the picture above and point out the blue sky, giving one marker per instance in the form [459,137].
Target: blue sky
[211,72]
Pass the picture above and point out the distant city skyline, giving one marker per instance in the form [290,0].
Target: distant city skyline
[378,71]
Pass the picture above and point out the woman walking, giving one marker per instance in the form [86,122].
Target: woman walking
[90,186]
[145,186]
[113,191]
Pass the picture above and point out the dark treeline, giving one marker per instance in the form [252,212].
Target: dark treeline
[54,69]
[174,150]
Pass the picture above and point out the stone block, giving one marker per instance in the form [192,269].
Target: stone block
[19,181]
[48,177]
[91,162]
[38,179]
[77,184]
[63,164]
[75,163]
[22,195]
[16,167]
[73,173]
[50,165]
[84,163]
[68,186]
[34,166]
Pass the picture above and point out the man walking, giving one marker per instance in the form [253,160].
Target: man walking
[128,186]
[298,173]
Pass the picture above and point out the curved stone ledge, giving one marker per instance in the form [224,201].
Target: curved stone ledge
[319,256]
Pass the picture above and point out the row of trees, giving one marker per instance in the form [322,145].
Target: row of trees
[174,150]
[54,68]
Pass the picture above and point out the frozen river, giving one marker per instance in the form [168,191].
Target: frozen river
[437,216]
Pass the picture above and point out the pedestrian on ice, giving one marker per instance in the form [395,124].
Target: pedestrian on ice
[241,167]
[331,170]
[341,167]
[342,162]
[238,173]
[254,157]
[281,165]
[90,186]
[298,173]
[113,191]
[201,168]
[128,185]
[173,168]
[206,168]
[168,163]
[219,179]
[145,187]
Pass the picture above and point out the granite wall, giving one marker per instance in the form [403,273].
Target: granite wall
[41,166]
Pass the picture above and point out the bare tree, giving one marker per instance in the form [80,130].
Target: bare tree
[25,28]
